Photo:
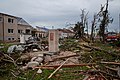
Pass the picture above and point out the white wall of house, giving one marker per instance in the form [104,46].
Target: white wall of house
[63,35]
[24,37]
[41,32]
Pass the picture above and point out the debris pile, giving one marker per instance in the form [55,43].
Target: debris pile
[107,61]
[70,45]
[77,60]
[57,59]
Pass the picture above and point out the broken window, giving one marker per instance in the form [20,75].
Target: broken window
[10,20]
[9,38]
[12,38]
[10,30]
[1,19]
[19,31]
[27,31]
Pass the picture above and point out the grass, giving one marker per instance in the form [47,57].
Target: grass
[5,71]
[5,45]
[60,75]
[6,67]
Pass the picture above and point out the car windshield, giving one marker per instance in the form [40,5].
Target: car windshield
[112,34]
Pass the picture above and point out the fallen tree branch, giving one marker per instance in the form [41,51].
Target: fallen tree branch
[42,67]
[57,69]
[81,71]
[7,60]
[13,74]
[32,78]
[113,69]
[112,63]
[68,65]
[99,73]
[99,49]
[18,76]
[110,75]
[11,59]
[68,56]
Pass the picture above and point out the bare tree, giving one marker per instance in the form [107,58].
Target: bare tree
[83,21]
[93,27]
[104,22]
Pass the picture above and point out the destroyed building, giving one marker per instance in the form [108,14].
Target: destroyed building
[12,26]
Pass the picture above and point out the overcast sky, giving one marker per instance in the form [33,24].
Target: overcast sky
[57,13]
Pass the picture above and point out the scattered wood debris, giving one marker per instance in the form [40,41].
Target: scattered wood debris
[67,65]
[57,69]
[102,64]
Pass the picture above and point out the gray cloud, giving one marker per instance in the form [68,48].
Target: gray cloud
[57,12]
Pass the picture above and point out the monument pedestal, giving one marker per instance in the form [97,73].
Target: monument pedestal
[53,41]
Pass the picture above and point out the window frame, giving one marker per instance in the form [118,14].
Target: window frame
[10,20]
[1,19]
[9,39]
[20,31]
[10,31]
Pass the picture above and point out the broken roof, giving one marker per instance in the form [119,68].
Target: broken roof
[43,28]
[66,30]
[20,20]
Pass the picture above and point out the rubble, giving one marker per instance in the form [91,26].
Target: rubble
[62,57]
[39,71]
[19,48]
[15,48]
[47,58]
[31,60]
[32,64]
[1,47]
[58,58]
[57,68]
[11,49]
[37,59]
[68,65]
[96,77]
[101,63]
[30,55]
[35,50]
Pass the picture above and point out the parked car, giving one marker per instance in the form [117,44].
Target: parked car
[112,36]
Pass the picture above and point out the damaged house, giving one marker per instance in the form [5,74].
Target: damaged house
[11,27]
[65,33]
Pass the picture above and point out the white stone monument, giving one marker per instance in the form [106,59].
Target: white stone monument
[53,41]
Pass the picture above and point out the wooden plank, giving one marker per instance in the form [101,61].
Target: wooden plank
[57,69]
[68,56]
[68,65]
[49,68]
[112,63]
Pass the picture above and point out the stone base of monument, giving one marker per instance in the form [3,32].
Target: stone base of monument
[53,40]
